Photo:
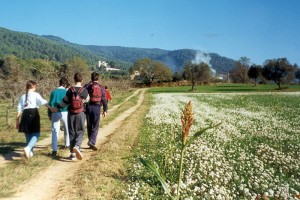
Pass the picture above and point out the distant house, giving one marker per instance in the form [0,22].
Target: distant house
[102,63]
[105,66]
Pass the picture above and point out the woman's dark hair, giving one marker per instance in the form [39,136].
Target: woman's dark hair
[29,85]
[68,85]
[63,81]
[94,76]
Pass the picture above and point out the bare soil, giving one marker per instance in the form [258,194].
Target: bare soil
[45,185]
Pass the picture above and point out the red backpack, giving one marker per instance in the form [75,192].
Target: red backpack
[76,104]
[95,92]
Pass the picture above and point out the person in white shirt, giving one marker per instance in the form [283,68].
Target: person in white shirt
[30,118]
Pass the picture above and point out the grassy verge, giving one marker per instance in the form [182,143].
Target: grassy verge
[122,108]
[104,176]
[226,87]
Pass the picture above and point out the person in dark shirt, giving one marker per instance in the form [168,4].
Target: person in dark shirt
[93,108]
[76,116]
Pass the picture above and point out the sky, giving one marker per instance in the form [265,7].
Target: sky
[256,29]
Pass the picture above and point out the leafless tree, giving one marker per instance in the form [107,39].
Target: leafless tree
[239,74]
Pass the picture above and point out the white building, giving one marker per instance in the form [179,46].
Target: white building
[106,66]
[102,63]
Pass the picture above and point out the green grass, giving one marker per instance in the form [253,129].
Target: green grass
[226,87]
[124,106]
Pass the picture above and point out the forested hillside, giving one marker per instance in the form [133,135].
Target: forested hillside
[27,45]
[175,60]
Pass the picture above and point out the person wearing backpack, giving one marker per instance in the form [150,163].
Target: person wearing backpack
[93,108]
[62,115]
[75,97]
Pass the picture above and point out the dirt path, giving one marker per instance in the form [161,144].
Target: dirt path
[45,184]
[18,153]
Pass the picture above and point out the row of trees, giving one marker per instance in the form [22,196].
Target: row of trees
[278,71]
[14,72]
[150,71]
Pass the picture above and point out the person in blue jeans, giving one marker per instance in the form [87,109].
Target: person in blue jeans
[76,116]
[93,109]
[62,115]
[30,118]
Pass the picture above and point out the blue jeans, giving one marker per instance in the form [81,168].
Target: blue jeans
[31,139]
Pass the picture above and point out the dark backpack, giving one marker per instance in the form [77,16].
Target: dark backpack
[95,92]
[76,104]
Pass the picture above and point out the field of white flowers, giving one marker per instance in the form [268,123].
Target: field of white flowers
[253,154]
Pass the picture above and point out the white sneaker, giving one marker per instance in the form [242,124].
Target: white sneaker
[76,150]
[31,154]
[27,152]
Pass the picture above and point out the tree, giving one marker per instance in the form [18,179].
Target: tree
[239,73]
[254,72]
[13,75]
[177,76]
[297,74]
[12,84]
[276,69]
[162,72]
[151,70]
[44,72]
[72,66]
[197,73]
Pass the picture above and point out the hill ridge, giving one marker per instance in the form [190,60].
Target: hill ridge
[28,45]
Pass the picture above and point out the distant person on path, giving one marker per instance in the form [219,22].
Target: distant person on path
[75,97]
[62,115]
[107,94]
[30,119]
[93,108]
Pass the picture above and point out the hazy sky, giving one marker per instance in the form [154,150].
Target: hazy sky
[257,29]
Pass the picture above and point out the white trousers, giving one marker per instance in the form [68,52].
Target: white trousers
[56,118]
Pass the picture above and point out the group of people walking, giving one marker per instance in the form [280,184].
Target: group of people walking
[72,106]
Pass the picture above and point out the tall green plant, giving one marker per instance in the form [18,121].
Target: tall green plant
[187,120]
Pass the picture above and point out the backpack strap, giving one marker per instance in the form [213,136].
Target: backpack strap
[72,89]
[78,92]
